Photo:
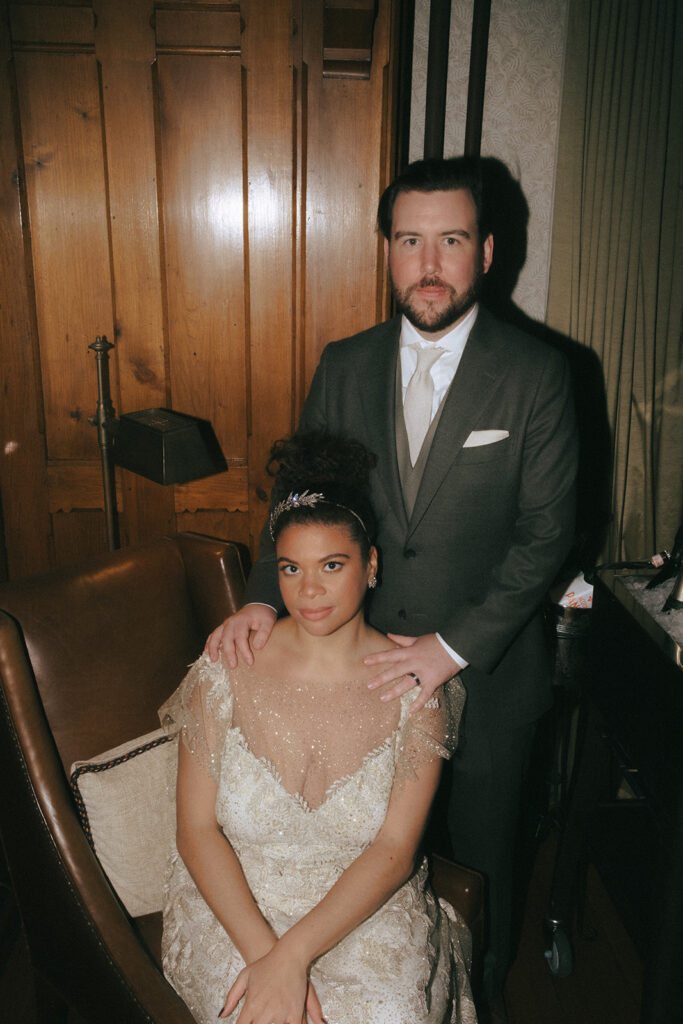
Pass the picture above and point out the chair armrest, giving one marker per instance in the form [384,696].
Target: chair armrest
[464,889]
[64,896]
[217,573]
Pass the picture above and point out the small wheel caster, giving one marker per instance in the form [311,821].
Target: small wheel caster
[560,957]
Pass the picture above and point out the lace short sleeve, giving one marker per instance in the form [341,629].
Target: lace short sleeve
[432,733]
[201,711]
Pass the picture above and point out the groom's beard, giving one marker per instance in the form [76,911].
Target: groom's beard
[433,318]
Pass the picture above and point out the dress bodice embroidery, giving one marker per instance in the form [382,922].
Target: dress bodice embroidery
[404,963]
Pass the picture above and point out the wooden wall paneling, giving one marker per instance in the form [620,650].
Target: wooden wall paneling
[59,106]
[23,483]
[216,522]
[196,191]
[201,146]
[59,98]
[223,490]
[125,49]
[199,30]
[77,484]
[395,123]
[348,29]
[78,535]
[201,163]
[270,57]
[48,24]
[61,118]
[347,170]
[216,501]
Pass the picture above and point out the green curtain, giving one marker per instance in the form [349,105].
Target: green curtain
[616,267]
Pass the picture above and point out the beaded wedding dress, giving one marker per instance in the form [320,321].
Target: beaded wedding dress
[304,775]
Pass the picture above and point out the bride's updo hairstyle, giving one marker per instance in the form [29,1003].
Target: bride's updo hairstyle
[323,479]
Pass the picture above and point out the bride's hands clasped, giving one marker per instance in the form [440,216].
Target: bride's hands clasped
[276,990]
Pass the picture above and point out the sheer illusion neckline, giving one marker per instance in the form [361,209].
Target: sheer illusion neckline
[333,788]
[322,681]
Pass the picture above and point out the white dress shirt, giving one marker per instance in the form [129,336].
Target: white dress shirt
[443,371]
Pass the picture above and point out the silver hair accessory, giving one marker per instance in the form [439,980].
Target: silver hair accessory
[303,500]
[307,500]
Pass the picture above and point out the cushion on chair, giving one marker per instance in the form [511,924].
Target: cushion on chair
[126,802]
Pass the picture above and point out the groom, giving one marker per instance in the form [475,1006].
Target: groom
[472,423]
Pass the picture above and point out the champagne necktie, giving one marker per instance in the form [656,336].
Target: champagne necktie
[417,405]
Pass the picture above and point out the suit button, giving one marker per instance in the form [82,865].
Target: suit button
[409,553]
[402,613]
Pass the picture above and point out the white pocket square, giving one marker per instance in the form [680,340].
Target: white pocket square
[479,437]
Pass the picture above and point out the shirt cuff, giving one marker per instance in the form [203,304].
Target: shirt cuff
[265,604]
[456,657]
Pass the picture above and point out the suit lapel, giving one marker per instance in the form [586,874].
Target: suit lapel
[376,382]
[467,400]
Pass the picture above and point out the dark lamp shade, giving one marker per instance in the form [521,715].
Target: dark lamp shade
[167,447]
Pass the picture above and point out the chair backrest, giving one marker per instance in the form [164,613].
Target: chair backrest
[87,655]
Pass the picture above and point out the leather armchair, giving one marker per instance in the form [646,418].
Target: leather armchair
[87,655]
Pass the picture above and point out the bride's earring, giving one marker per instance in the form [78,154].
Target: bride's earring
[372,582]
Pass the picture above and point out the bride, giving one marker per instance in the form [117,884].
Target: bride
[297,893]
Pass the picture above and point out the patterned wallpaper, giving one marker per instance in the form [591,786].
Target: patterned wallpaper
[521,111]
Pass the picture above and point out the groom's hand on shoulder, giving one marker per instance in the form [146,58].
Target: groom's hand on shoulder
[417,661]
[241,634]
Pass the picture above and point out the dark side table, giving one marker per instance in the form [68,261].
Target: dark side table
[625,810]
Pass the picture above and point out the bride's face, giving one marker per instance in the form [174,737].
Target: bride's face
[323,576]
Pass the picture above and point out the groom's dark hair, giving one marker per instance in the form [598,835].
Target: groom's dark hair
[461,172]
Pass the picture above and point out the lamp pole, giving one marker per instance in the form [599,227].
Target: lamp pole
[104,420]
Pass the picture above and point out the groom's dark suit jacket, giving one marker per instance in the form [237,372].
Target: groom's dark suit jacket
[492,522]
